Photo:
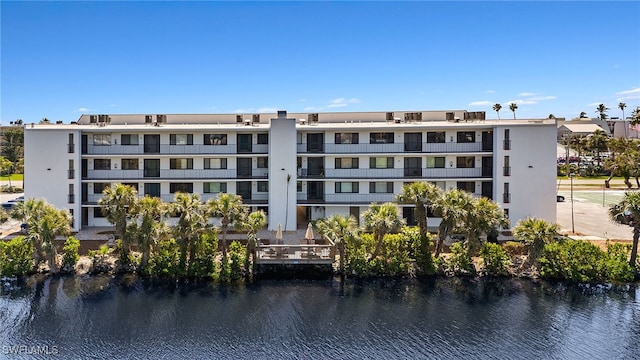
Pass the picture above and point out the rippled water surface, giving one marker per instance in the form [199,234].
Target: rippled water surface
[105,318]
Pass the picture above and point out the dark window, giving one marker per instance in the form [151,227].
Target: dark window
[263,162]
[435,162]
[466,136]
[214,187]
[181,139]
[102,164]
[435,136]
[413,166]
[315,142]
[180,188]
[152,144]
[263,186]
[263,139]
[71,146]
[97,213]
[465,162]
[244,167]
[152,189]
[507,168]
[381,187]
[129,164]
[506,196]
[180,164]
[468,186]
[129,139]
[347,138]
[215,139]
[243,189]
[347,163]
[413,142]
[99,187]
[152,167]
[244,143]
[215,163]
[381,163]
[347,187]
[507,140]
[381,138]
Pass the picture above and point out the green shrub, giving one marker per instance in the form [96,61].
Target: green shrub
[236,254]
[70,254]
[99,260]
[460,263]
[225,270]
[617,263]
[420,250]
[16,257]
[513,248]
[203,266]
[165,260]
[495,259]
[573,260]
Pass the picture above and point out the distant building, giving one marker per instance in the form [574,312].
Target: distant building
[296,167]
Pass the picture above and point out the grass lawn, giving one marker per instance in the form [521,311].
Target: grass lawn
[14,177]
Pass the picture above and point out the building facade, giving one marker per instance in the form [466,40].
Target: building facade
[296,167]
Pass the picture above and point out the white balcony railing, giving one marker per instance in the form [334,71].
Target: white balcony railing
[357,198]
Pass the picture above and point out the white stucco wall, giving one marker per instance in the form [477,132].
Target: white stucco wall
[282,174]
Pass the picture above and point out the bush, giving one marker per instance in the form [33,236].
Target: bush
[617,263]
[203,266]
[420,250]
[165,260]
[237,255]
[495,259]
[513,248]
[99,260]
[16,257]
[459,263]
[574,260]
[70,254]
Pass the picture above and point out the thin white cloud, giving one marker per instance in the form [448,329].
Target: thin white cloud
[267,110]
[342,102]
[113,105]
[526,94]
[635,91]
[490,92]
[313,108]
[480,103]
[302,100]
[83,109]
[595,103]
[530,99]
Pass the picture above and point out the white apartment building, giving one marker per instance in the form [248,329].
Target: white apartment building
[296,167]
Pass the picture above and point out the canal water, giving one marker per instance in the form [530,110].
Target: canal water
[116,318]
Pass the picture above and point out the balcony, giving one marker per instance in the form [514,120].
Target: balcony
[347,198]
[364,173]
[452,147]
[169,174]
[452,173]
[166,149]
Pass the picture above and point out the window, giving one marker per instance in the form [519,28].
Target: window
[435,162]
[347,138]
[71,172]
[72,198]
[381,138]
[217,163]
[263,139]
[506,171]
[152,189]
[99,187]
[263,186]
[466,136]
[347,163]
[70,146]
[97,213]
[381,187]
[180,164]
[299,138]
[215,139]
[347,187]
[129,164]
[214,187]
[506,196]
[412,141]
[412,166]
[129,139]
[468,186]
[435,136]
[381,163]
[181,139]
[180,188]
[465,162]
[298,186]
[101,139]
[263,162]
[507,140]
[102,164]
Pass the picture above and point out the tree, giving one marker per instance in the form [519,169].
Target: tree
[192,223]
[535,233]
[602,110]
[381,219]
[6,167]
[230,210]
[253,223]
[497,107]
[452,207]
[513,107]
[12,149]
[420,194]
[622,106]
[338,229]
[635,119]
[598,142]
[149,227]
[118,205]
[582,115]
[483,217]
[627,212]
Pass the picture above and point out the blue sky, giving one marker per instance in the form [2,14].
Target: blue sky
[62,59]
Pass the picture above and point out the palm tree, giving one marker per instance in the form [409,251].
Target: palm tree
[230,210]
[253,223]
[24,211]
[484,216]
[622,106]
[582,115]
[635,119]
[627,211]
[535,233]
[149,228]
[452,207]
[381,219]
[192,223]
[118,204]
[497,107]
[513,107]
[602,110]
[420,194]
[597,142]
[338,229]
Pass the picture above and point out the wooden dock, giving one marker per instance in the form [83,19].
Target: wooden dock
[294,254]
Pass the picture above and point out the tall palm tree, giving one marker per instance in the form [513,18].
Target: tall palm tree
[635,119]
[602,110]
[420,194]
[535,233]
[622,106]
[452,207]
[381,219]
[484,216]
[192,223]
[118,204]
[149,227]
[582,115]
[338,229]
[230,210]
[253,223]
[497,107]
[598,142]
[627,211]
[513,107]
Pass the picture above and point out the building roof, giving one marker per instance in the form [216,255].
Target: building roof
[583,128]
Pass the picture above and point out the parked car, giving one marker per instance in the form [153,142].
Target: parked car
[559,198]
[11,203]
